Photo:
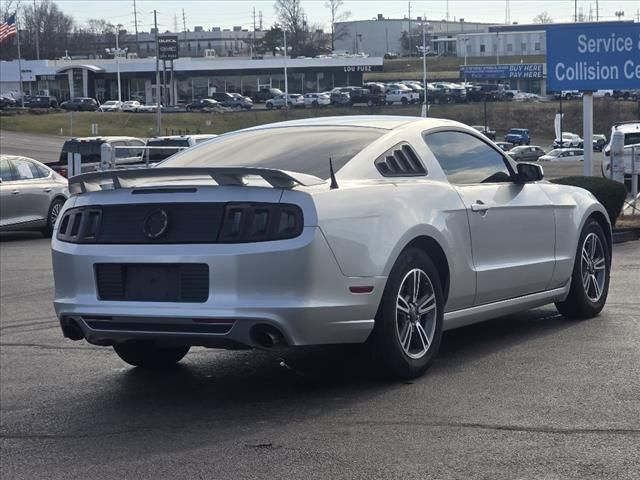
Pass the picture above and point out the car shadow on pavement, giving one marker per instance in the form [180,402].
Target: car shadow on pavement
[19,236]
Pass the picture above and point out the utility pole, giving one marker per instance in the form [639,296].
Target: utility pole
[410,49]
[507,13]
[447,15]
[135,22]
[158,107]
[575,11]
[425,105]
[260,19]
[118,61]
[184,29]
[36,13]
[597,12]
[253,43]
[286,81]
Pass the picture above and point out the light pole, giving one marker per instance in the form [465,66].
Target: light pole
[118,61]
[286,81]
[497,48]
[425,104]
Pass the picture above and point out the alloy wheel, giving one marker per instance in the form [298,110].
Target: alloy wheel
[416,312]
[593,267]
[55,211]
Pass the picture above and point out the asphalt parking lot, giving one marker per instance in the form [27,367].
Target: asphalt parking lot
[530,396]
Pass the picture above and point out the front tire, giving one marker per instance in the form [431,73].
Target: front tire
[145,354]
[590,277]
[408,326]
[52,216]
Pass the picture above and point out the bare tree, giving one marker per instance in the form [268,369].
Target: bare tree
[542,18]
[8,8]
[53,27]
[334,7]
[291,19]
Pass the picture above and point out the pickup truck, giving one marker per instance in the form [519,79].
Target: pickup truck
[518,136]
[364,95]
[402,96]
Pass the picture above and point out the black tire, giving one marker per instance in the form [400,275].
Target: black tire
[314,104]
[370,103]
[404,100]
[579,304]
[146,354]
[384,342]
[269,106]
[52,216]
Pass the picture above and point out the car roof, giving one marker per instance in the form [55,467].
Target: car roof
[20,157]
[101,139]
[627,127]
[385,122]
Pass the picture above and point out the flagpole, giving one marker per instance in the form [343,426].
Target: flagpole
[19,61]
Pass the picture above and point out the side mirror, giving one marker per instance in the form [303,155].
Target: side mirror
[529,172]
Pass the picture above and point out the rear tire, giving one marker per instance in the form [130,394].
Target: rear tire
[408,326]
[404,100]
[146,354]
[590,277]
[52,216]
[269,106]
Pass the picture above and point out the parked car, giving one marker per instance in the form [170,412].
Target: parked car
[599,142]
[294,100]
[41,101]
[603,94]
[505,146]
[568,140]
[526,153]
[317,99]
[90,150]
[202,105]
[31,195]
[458,93]
[6,101]
[340,98]
[230,101]
[631,132]
[563,154]
[306,260]
[478,92]
[111,106]
[265,94]
[80,104]
[365,96]
[402,96]
[159,148]
[149,108]
[486,131]
[518,136]
[627,94]
[131,106]
[568,94]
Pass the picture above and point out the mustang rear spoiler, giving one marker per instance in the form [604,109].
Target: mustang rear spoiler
[113,179]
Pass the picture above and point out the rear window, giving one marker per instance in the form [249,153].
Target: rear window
[298,149]
[632,138]
[157,154]
[89,151]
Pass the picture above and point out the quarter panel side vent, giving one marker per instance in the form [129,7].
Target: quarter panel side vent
[400,161]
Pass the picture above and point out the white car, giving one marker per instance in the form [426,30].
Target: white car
[110,106]
[150,108]
[323,231]
[317,99]
[631,132]
[563,154]
[295,100]
[569,140]
[603,94]
[402,96]
[31,195]
[131,106]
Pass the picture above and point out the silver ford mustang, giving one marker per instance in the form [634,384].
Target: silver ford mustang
[385,230]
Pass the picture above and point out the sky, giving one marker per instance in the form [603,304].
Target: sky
[226,14]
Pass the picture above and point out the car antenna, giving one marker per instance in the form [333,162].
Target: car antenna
[334,182]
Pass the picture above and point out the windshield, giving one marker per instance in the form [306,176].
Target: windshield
[555,153]
[632,138]
[156,154]
[110,102]
[516,131]
[298,149]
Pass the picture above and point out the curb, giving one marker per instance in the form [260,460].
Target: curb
[621,236]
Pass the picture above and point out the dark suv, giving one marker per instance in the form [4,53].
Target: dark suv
[364,95]
[232,101]
[265,94]
[80,104]
[41,101]
[202,105]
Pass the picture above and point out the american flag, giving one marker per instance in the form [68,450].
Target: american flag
[8,29]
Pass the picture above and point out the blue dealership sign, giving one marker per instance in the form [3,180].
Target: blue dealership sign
[502,71]
[591,57]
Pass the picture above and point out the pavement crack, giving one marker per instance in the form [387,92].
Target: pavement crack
[43,346]
[510,428]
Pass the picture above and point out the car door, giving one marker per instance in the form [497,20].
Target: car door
[512,224]
[34,191]
[9,194]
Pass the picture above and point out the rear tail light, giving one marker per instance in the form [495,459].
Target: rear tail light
[260,222]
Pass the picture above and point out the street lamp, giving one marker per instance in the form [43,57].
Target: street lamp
[497,48]
[425,104]
[116,52]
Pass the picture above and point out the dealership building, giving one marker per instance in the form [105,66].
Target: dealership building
[190,78]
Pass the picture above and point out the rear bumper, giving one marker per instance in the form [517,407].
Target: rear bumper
[293,285]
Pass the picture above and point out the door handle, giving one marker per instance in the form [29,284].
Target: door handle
[47,190]
[15,192]
[479,207]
